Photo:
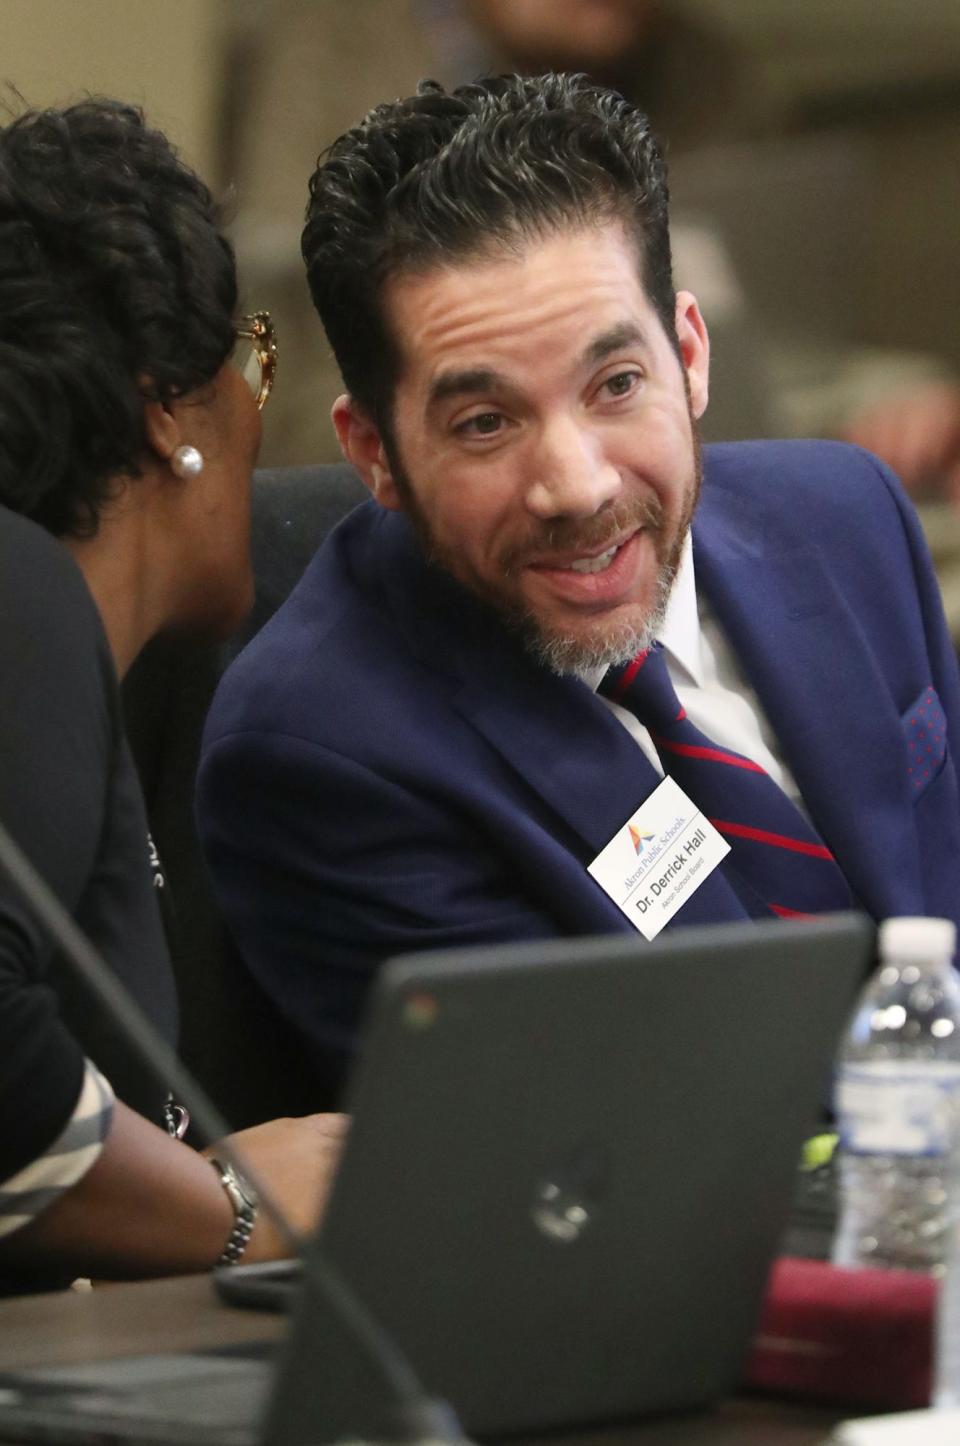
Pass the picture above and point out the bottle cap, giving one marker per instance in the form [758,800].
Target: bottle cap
[910,938]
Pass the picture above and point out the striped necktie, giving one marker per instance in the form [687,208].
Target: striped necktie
[774,848]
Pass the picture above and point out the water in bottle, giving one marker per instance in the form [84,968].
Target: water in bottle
[898,1104]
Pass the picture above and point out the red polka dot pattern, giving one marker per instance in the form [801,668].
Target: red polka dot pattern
[925,728]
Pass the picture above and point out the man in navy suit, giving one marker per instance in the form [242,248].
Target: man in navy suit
[413,753]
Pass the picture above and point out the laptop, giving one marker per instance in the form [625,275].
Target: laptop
[568,1170]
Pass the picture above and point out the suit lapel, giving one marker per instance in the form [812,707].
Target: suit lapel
[569,747]
[556,734]
[804,653]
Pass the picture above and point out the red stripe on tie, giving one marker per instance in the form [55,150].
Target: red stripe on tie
[628,675]
[784,913]
[717,755]
[776,840]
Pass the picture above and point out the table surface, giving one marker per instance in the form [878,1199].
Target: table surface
[135,1319]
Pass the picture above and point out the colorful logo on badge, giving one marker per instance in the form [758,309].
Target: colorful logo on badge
[638,839]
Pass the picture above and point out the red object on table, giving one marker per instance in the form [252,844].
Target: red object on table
[850,1337]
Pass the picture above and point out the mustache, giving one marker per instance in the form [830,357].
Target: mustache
[589,534]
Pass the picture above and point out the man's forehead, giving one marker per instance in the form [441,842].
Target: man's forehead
[465,305]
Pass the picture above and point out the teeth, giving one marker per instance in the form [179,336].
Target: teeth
[594,564]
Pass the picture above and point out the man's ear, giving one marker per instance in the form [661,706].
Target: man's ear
[694,349]
[162,430]
[362,446]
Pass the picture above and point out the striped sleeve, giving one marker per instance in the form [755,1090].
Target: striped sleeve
[66,1161]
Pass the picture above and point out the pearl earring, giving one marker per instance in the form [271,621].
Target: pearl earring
[186,462]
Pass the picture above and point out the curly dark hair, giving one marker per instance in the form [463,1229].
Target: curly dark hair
[445,175]
[116,286]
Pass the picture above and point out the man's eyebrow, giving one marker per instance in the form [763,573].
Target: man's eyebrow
[484,379]
[625,333]
[464,383]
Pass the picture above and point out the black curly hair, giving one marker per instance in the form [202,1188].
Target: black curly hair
[116,286]
[444,175]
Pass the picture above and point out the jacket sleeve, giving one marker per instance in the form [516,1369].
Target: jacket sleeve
[324,869]
[55,741]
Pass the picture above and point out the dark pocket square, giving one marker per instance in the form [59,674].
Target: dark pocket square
[925,730]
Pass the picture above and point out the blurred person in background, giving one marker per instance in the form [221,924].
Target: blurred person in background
[130,391]
[685,72]
[919,435]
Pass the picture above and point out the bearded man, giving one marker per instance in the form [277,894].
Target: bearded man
[563,674]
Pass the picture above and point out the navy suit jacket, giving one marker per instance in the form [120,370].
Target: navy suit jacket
[384,767]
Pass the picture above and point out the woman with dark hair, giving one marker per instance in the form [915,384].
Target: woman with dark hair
[129,426]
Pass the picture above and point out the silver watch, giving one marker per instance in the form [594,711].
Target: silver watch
[244,1200]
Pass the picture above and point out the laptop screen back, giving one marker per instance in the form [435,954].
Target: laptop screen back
[568,1170]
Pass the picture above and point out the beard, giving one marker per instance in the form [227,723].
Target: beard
[594,646]
[605,642]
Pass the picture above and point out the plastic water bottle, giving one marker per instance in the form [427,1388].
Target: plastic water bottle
[898,1105]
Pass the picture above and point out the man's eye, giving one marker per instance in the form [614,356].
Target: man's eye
[621,383]
[484,424]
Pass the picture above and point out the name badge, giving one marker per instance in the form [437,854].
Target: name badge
[659,858]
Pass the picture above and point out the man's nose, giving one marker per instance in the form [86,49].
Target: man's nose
[569,474]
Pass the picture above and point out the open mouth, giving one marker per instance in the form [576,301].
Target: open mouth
[595,564]
[596,578]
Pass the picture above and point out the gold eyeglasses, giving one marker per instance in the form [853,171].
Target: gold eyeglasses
[255,354]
